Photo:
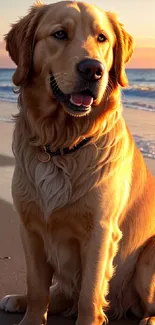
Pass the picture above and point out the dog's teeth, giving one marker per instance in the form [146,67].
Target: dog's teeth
[71,100]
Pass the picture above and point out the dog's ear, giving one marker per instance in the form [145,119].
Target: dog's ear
[20,43]
[123,50]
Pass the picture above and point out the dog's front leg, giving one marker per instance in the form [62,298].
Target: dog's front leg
[97,271]
[39,276]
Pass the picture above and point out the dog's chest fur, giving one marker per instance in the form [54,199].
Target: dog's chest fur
[62,189]
[64,180]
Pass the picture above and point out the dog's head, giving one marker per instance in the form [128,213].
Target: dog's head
[75,47]
[71,53]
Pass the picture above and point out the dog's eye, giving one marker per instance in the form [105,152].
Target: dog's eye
[60,34]
[101,38]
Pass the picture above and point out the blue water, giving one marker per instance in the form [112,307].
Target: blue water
[140,94]
[6,86]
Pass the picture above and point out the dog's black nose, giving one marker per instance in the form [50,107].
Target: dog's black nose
[91,69]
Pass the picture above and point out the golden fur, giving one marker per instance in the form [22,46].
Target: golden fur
[87,219]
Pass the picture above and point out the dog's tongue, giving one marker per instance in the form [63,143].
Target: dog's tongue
[81,99]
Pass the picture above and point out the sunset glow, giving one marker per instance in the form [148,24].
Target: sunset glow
[137,16]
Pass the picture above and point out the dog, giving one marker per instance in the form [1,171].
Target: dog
[85,197]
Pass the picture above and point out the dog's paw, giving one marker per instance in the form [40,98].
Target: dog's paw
[148,321]
[13,303]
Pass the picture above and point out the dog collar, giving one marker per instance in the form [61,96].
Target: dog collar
[62,151]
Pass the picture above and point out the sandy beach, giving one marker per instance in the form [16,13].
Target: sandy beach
[12,264]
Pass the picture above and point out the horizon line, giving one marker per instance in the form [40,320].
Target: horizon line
[128,68]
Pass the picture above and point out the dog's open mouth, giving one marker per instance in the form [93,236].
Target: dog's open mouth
[78,103]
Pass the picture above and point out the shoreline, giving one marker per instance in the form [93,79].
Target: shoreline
[141,124]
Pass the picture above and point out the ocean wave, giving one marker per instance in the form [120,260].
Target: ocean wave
[147,147]
[140,91]
[6,84]
[145,80]
[8,99]
[6,119]
[139,105]
[7,87]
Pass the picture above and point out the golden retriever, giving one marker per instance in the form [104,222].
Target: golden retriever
[84,195]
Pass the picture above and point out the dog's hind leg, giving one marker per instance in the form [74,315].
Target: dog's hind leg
[144,282]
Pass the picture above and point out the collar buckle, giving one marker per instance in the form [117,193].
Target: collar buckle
[43,155]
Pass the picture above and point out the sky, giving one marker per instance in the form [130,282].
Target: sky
[138,16]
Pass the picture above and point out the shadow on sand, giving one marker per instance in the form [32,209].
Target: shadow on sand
[6,161]
[10,319]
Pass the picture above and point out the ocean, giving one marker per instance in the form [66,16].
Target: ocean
[140,94]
